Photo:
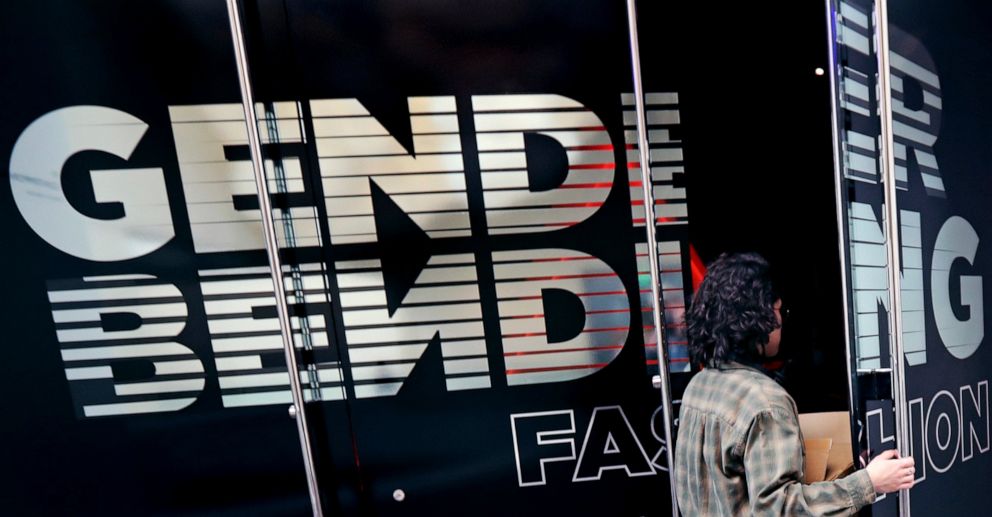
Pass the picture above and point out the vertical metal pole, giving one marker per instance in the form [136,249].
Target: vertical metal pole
[898,375]
[842,233]
[649,223]
[272,249]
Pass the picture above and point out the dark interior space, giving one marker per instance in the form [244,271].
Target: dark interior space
[759,163]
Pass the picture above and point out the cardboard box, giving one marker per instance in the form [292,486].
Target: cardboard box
[827,438]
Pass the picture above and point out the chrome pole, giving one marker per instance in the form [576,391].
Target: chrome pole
[649,223]
[272,250]
[898,376]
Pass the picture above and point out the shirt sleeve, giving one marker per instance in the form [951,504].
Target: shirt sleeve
[773,465]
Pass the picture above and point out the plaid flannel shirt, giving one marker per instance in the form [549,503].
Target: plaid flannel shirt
[740,452]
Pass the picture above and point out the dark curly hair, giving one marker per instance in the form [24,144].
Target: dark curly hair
[733,311]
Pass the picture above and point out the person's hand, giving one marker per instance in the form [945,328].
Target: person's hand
[889,472]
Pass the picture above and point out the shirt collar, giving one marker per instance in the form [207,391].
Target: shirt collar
[735,365]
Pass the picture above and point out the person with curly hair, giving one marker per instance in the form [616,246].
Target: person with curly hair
[739,449]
